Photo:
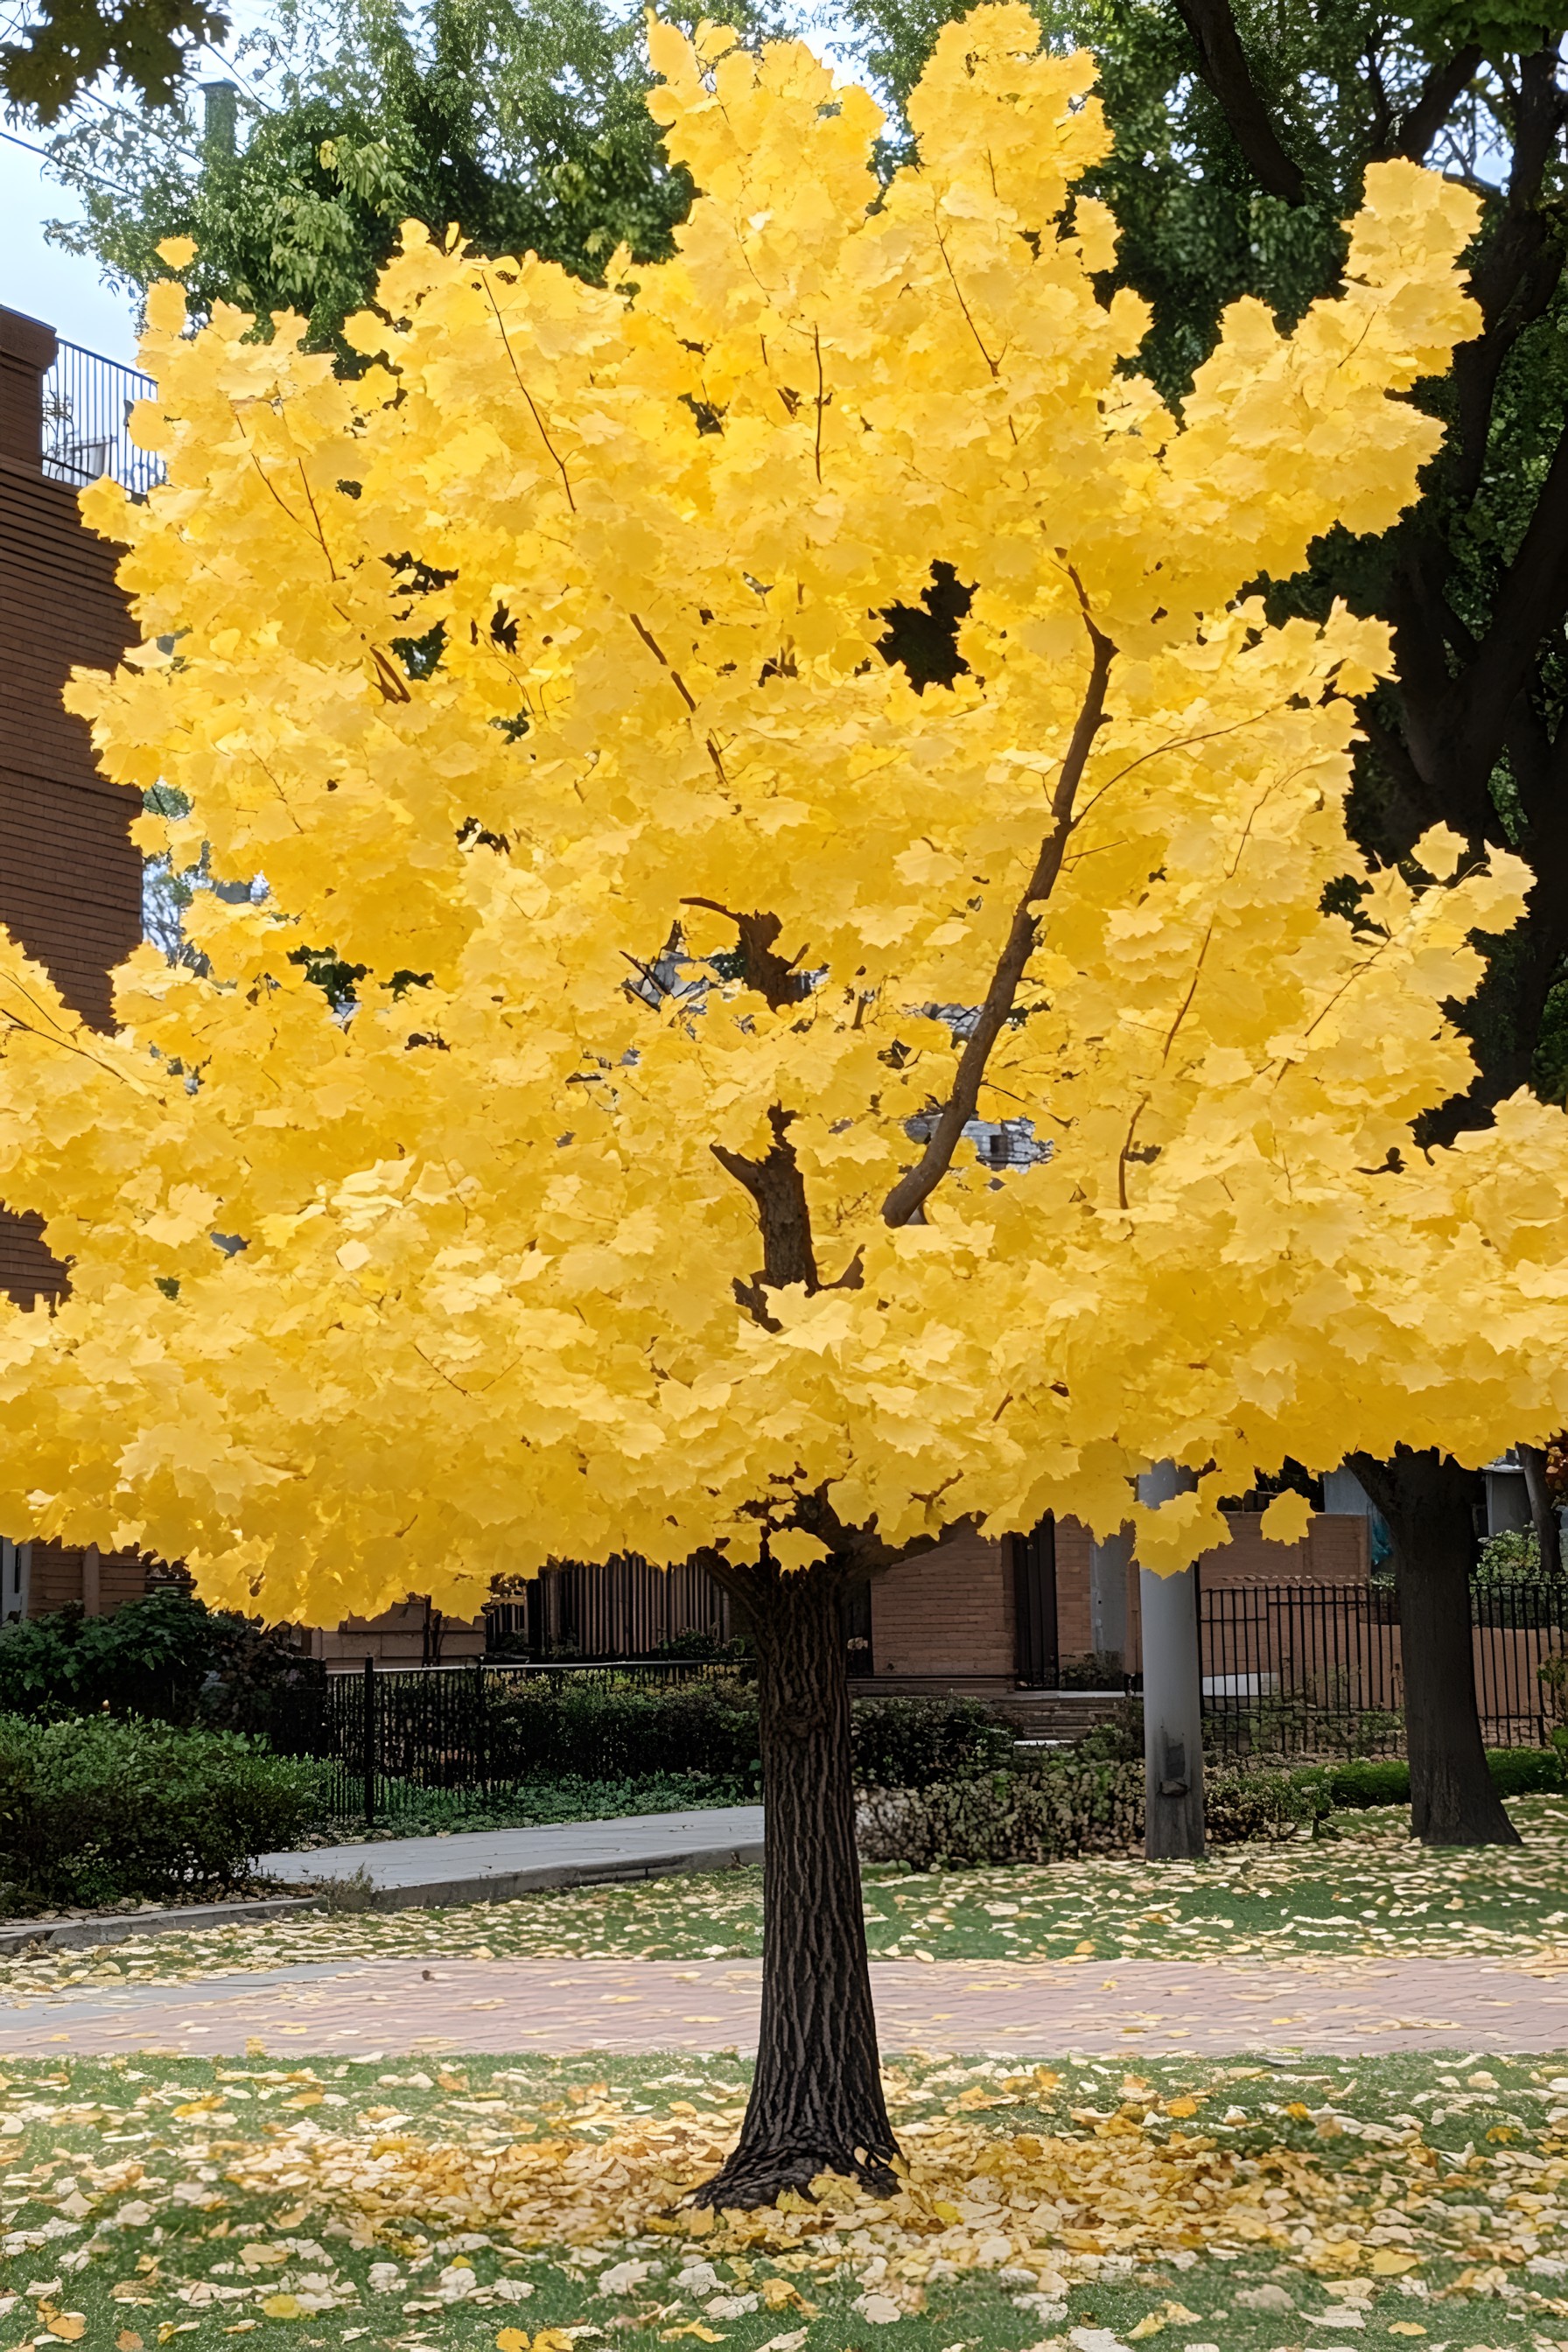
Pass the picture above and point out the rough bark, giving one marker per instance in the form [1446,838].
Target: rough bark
[816,2102]
[1428,1502]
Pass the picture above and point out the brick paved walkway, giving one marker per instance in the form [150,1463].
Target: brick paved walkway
[384,2007]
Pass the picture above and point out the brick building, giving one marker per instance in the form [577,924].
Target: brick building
[986,1616]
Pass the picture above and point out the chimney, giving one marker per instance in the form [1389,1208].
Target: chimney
[220,102]
[26,351]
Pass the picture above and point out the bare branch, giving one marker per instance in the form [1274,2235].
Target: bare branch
[917,1184]
[1426,118]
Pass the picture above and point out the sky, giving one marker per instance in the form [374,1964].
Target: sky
[62,290]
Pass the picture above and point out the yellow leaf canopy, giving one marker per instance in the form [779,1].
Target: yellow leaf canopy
[591,633]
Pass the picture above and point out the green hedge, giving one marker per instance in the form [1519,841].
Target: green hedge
[1064,1809]
[93,1810]
[552,1726]
[1385,1780]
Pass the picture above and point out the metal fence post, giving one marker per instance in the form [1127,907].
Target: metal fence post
[481,1742]
[367,1733]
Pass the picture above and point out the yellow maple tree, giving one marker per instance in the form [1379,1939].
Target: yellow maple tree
[577,676]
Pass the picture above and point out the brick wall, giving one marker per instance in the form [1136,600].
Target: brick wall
[949,1615]
[71,878]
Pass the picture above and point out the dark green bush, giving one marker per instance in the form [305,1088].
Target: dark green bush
[165,1655]
[1064,1808]
[93,1809]
[555,1727]
[552,1726]
[1385,1780]
[913,1743]
[1525,1771]
[1369,1780]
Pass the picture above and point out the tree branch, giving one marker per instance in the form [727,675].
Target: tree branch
[1222,61]
[763,969]
[1423,120]
[916,1186]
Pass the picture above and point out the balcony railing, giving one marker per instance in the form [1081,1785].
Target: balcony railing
[86,411]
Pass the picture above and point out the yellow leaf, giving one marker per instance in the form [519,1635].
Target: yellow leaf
[70,2326]
[1405,2327]
[282,2306]
[1388,2263]
[179,252]
[1287,1519]
[511,2339]
[128,2341]
[1185,2105]
[1152,2325]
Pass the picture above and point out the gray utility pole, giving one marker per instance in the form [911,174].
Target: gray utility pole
[1173,1694]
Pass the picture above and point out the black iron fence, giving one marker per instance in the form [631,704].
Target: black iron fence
[388,1734]
[1312,1669]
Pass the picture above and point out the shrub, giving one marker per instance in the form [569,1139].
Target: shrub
[165,1655]
[555,1727]
[93,1810]
[1526,1772]
[913,1743]
[1064,1809]
[1369,1780]
[1385,1780]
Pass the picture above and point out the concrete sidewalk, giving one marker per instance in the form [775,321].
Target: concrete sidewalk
[492,1865]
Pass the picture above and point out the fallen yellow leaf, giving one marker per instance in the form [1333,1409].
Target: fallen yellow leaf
[1150,2326]
[511,2339]
[128,2341]
[282,2306]
[1185,2105]
[1388,2263]
[1405,2327]
[69,2326]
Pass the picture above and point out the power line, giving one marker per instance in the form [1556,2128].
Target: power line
[80,169]
[248,88]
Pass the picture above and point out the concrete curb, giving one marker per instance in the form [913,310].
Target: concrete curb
[496,1887]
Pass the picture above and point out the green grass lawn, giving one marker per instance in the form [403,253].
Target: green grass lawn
[532,2205]
[1369,1891]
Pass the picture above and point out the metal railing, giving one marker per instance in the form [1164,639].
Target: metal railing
[1316,1669]
[87,412]
[389,1734]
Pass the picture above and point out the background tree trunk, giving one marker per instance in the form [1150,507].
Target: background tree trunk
[1429,1504]
[1542,1509]
[816,2102]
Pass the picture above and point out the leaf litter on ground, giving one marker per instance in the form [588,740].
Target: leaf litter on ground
[1370,1893]
[537,2203]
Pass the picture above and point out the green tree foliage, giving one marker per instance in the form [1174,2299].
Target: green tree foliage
[526,126]
[66,45]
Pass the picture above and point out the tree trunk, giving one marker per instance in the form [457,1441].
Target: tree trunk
[1429,1504]
[1542,1509]
[816,2100]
